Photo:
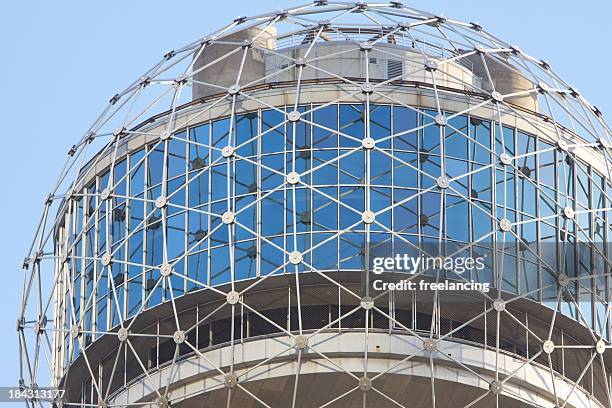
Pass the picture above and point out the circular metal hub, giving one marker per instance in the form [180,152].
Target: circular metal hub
[368,143]
[562,145]
[367,88]
[295,257]
[568,213]
[39,327]
[165,270]
[497,97]
[543,87]
[165,135]
[233,297]
[161,202]
[301,342]
[368,217]
[442,182]
[496,387]
[106,260]
[181,79]
[162,402]
[604,143]
[228,217]
[300,62]
[293,116]
[367,302]
[231,380]
[75,332]
[179,337]
[227,151]
[505,225]
[365,384]
[233,90]
[431,64]
[548,346]
[563,280]
[365,46]
[499,305]
[430,345]
[293,178]
[119,131]
[600,346]
[505,159]
[122,334]
[441,120]
[105,194]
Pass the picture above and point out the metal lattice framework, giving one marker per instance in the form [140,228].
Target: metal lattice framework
[85,239]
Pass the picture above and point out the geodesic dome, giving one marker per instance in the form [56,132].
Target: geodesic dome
[207,241]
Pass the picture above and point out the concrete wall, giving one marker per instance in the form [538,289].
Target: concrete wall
[219,63]
[346,59]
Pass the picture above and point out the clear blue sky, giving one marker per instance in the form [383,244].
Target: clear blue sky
[61,61]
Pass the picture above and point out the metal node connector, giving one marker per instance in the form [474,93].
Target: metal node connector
[161,202]
[499,305]
[119,131]
[228,217]
[105,194]
[431,65]
[367,88]
[368,217]
[505,225]
[293,178]
[365,384]
[368,143]
[505,159]
[442,182]
[441,120]
[162,402]
[231,380]
[496,387]
[563,280]
[227,151]
[106,259]
[365,46]
[430,345]
[75,332]
[122,334]
[179,337]
[233,297]
[562,145]
[600,346]
[604,143]
[295,257]
[293,116]
[548,346]
[497,97]
[301,342]
[367,302]
[165,270]
[233,90]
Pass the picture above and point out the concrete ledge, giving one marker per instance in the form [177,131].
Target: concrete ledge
[462,364]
